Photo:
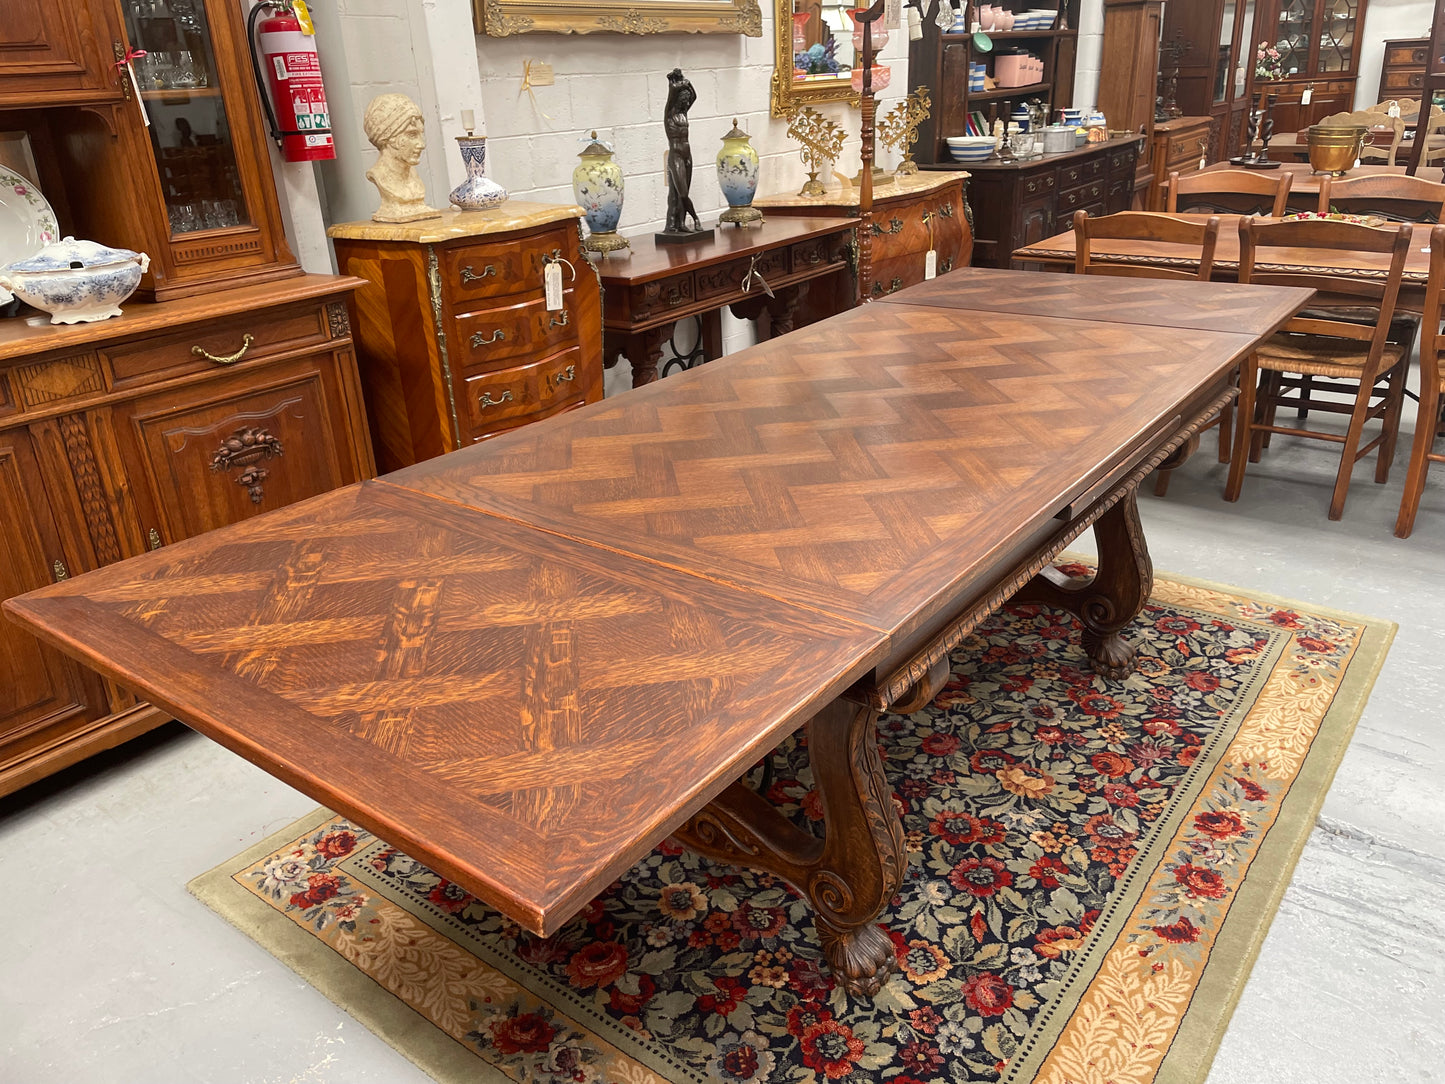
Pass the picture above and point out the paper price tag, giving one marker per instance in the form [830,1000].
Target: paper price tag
[552,280]
[1304,99]
[930,265]
[1203,161]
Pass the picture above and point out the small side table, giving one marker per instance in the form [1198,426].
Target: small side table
[749,270]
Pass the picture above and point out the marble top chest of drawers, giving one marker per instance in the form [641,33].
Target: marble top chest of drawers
[455,339]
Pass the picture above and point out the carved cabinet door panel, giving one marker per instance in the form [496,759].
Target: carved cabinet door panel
[62,49]
[41,692]
[237,446]
[1037,222]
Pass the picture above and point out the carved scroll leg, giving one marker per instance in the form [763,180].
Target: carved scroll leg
[783,308]
[643,350]
[850,874]
[1113,598]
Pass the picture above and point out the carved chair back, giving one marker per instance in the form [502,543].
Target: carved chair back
[1394,196]
[1229,191]
[1198,237]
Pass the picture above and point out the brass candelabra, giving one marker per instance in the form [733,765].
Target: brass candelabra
[899,127]
[822,142]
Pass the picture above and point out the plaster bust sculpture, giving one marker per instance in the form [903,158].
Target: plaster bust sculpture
[394,125]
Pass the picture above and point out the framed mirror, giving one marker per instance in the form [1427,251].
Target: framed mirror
[502,18]
[813,55]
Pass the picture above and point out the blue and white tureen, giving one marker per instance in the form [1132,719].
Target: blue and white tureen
[76,281]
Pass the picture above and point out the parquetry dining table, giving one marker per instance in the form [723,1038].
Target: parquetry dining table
[528,662]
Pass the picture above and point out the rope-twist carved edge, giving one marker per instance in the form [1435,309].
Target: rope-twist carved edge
[916,669]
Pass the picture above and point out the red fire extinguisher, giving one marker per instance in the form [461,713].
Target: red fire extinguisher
[291,89]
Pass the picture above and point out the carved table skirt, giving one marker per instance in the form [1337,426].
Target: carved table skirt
[750,270]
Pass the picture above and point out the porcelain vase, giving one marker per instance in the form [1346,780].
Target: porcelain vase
[597,184]
[737,176]
[477,192]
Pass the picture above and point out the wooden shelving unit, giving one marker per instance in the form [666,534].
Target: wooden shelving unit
[941,58]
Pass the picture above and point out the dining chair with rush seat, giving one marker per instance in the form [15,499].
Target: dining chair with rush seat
[1320,343]
[1432,390]
[1229,191]
[1398,198]
[1200,237]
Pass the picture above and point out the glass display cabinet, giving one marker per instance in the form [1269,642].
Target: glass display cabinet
[174,164]
[1319,46]
[1217,43]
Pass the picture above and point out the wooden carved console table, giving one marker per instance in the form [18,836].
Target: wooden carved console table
[749,270]
[591,628]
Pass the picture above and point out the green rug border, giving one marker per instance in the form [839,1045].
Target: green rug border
[1231,960]
[351,990]
[1191,1053]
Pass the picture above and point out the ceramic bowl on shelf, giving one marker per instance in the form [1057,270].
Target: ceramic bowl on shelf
[970,148]
[76,281]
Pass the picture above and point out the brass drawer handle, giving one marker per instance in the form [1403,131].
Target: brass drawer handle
[675,298]
[487,401]
[226,359]
[153,537]
[558,379]
[497,336]
[468,275]
[562,319]
[61,572]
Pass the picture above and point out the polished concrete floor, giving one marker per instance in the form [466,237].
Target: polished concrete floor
[111,972]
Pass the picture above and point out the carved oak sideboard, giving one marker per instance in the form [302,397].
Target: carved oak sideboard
[124,435]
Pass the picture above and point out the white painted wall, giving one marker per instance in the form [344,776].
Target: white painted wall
[1091,50]
[1384,20]
[618,85]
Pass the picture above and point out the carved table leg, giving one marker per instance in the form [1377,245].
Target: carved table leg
[924,690]
[848,875]
[783,308]
[1113,597]
[643,350]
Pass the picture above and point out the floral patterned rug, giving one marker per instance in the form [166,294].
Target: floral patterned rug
[1092,869]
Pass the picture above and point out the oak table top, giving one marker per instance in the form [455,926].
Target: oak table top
[1151,302]
[527,662]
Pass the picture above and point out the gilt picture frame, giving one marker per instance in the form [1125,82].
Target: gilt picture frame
[503,18]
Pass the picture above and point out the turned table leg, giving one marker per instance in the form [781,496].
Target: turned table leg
[1113,598]
[853,871]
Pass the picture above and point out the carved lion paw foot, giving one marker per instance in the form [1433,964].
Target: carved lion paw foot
[1111,656]
[862,960]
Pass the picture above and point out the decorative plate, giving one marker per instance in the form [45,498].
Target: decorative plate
[27,224]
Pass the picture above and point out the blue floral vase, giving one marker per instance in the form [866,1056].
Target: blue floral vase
[476,193]
[597,184]
[737,176]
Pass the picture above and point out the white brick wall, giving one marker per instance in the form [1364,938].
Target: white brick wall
[1091,49]
[614,83]
[617,85]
